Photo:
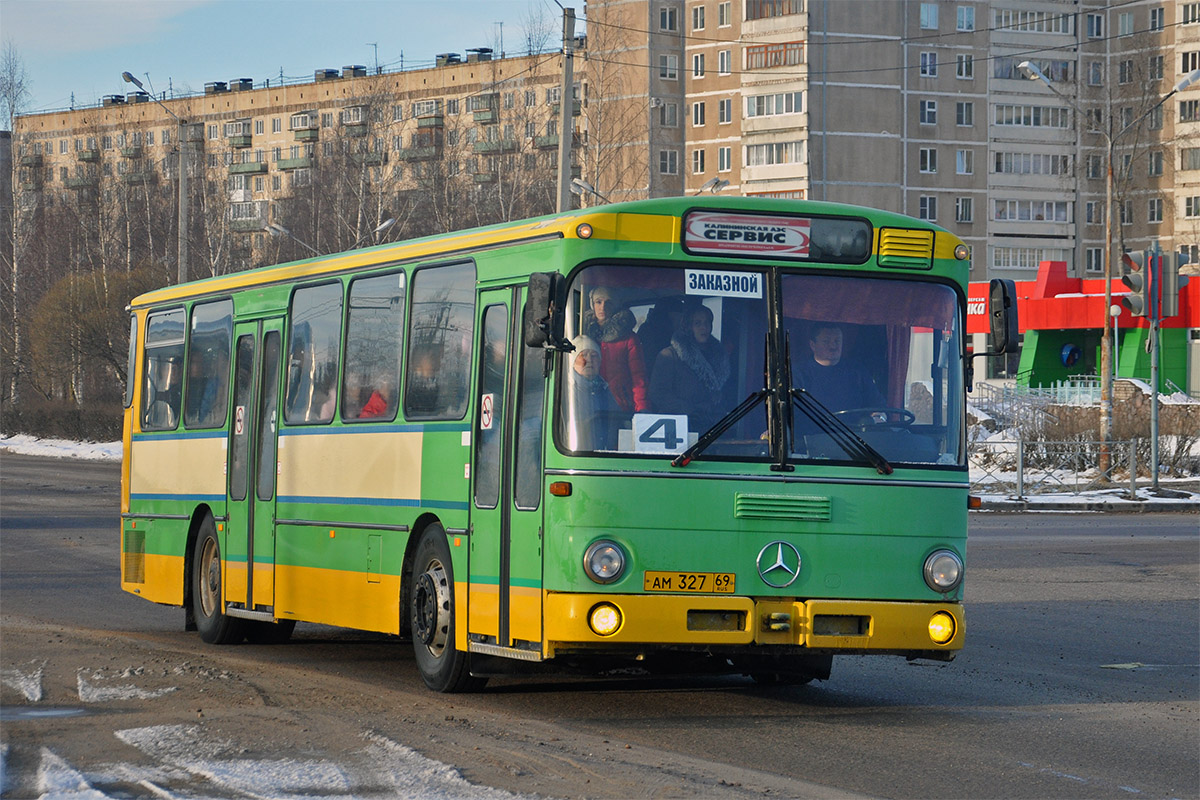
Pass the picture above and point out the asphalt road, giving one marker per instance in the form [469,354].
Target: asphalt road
[1080,678]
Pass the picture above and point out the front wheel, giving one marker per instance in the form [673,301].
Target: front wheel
[443,667]
[207,599]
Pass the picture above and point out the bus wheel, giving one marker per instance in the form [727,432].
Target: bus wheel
[431,598]
[214,626]
[269,632]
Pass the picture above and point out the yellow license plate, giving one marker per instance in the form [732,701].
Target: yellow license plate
[712,582]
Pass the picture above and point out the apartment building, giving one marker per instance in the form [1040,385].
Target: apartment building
[916,106]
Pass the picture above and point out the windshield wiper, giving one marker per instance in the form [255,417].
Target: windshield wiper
[839,432]
[719,427]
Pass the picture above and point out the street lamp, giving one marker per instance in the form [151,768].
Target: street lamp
[277,230]
[1033,73]
[380,228]
[581,188]
[714,185]
[182,220]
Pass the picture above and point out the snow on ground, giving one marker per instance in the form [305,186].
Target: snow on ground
[24,445]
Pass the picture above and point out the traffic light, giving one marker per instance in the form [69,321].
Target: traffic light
[1139,283]
[1172,282]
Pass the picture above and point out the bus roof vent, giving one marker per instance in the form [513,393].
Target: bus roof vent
[905,249]
[767,506]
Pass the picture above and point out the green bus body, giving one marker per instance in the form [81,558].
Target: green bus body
[765,553]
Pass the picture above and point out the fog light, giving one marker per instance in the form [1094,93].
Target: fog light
[941,627]
[605,618]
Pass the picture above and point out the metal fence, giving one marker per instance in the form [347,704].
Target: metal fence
[1021,469]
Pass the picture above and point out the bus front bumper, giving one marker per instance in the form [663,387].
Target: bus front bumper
[838,626]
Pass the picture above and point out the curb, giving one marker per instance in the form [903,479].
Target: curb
[1120,506]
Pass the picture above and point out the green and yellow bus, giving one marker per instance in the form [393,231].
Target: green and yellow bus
[688,434]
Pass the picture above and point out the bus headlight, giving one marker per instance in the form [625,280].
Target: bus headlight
[604,619]
[941,627]
[604,561]
[943,571]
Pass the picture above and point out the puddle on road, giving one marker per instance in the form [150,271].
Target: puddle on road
[17,713]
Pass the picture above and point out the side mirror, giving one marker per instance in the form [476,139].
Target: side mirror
[1003,335]
[544,320]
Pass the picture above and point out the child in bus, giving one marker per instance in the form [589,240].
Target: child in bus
[623,367]
[592,413]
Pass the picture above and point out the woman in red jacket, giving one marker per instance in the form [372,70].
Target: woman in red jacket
[621,363]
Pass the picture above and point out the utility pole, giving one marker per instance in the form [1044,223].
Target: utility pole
[566,108]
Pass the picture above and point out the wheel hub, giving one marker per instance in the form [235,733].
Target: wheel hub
[431,607]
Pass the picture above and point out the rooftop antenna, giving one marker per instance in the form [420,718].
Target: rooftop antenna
[501,24]
[376,46]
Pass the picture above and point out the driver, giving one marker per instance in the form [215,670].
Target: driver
[836,384]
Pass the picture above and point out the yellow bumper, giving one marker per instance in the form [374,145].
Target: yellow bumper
[850,626]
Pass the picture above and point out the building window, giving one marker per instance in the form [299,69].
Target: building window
[724,14]
[1092,212]
[964,114]
[724,159]
[668,19]
[698,18]
[1189,61]
[783,54]
[1191,207]
[928,112]
[214,132]
[762,9]
[929,16]
[769,105]
[1157,19]
[965,18]
[1095,73]
[1125,72]
[764,155]
[1126,210]
[697,162]
[1154,210]
[1125,23]
[1155,68]
[1095,26]
[964,162]
[259,127]
[697,114]
[964,209]
[668,162]
[1031,164]
[724,62]
[927,208]
[1094,168]
[1032,116]
[276,125]
[929,65]
[1093,259]
[964,67]
[1189,111]
[1189,158]
[668,115]
[1031,211]
[1189,13]
[928,160]
[698,65]
[668,67]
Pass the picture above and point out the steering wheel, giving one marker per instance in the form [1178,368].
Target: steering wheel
[865,417]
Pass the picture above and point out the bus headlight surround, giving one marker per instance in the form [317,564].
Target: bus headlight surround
[961,252]
[943,571]
[941,627]
[604,619]
[604,561]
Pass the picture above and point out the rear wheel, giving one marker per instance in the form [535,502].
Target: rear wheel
[207,601]
[443,667]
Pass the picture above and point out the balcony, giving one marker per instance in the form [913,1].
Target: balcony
[494,148]
[355,128]
[32,161]
[240,140]
[575,109]
[252,225]
[485,177]
[487,116]
[549,142]
[252,167]
[132,152]
[368,159]
[140,177]
[292,163]
[426,153]
[431,121]
[86,182]
[91,156]
[308,134]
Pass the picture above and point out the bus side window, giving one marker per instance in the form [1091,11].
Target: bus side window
[441,327]
[374,342]
[316,314]
[163,371]
[207,391]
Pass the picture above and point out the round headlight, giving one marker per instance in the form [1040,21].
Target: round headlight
[943,571]
[604,619]
[941,627]
[961,252]
[604,562]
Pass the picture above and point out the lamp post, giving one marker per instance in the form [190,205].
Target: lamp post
[182,221]
[582,188]
[380,228]
[277,230]
[1033,73]
[714,185]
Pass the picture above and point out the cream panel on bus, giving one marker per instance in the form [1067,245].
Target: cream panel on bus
[169,465]
[358,465]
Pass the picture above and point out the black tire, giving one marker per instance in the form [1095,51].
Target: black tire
[269,632]
[207,603]
[443,667]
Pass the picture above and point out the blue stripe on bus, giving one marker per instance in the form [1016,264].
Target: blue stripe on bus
[385,502]
[219,433]
[205,498]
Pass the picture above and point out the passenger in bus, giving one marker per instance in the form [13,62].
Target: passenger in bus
[375,407]
[655,334]
[623,366]
[691,376]
[837,384]
[207,372]
[593,414]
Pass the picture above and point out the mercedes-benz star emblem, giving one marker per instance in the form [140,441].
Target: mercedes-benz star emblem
[778,564]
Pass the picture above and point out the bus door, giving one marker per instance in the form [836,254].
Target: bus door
[505,607]
[252,470]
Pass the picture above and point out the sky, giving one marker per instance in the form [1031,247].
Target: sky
[75,50]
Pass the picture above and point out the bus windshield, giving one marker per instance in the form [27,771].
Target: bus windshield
[664,355]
